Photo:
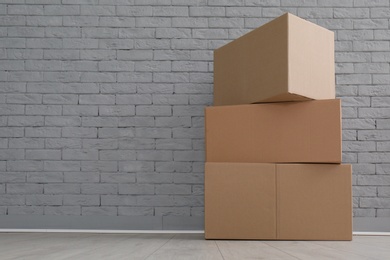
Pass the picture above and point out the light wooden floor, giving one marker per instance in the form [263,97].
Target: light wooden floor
[181,246]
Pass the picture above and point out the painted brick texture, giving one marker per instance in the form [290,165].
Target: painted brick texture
[101,102]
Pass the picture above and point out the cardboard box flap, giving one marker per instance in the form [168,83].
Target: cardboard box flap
[314,202]
[240,202]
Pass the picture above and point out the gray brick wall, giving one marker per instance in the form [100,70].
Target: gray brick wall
[101,102]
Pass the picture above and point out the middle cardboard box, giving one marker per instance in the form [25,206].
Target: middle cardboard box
[288,132]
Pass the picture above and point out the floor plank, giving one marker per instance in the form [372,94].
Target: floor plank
[232,250]
[188,246]
[307,250]
[358,248]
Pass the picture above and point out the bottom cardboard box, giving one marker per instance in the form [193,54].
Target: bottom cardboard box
[278,201]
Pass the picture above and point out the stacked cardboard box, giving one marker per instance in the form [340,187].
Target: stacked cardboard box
[273,168]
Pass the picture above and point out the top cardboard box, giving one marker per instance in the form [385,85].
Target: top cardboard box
[287,59]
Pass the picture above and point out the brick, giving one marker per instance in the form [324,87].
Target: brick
[360,124]
[133,189]
[24,188]
[383,168]
[26,32]
[25,165]
[80,21]
[363,212]
[173,33]
[25,121]
[155,200]
[173,121]
[45,177]
[137,143]
[81,177]
[135,54]
[100,188]
[116,66]
[8,200]
[188,132]
[99,211]
[62,9]
[161,155]
[14,87]
[370,3]
[79,154]
[172,211]
[117,155]
[374,203]
[153,22]
[62,121]
[118,200]
[134,11]
[115,132]
[193,88]
[96,99]
[136,121]
[46,110]
[143,110]
[41,154]
[12,176]
[170,11]
[63,210]
[60,99]
[62,77]
[25,210]
[363,168]
[43,132]
[26,143]
[188,156]
[81,200]
[173,166]
[118,178]
[68,32]
[43,20]
[377,157]
[153,132]
[11,132]
[135,33]
[61,143]
[44,200]
[135,77]
[11,109]
[135,211]
[80,110]
[156,88]
[384,192]
[191,178]
[380,12]
[136,166]
[100,121]
[358,79]
[100,144]
[97,54]
[117,21]
[98,10]
[374,112]
[99,166]
[119,110]
[173,189]
[61,166]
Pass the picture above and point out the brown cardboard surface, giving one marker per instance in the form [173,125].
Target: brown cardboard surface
[278,201]
[287,59]
[240,203]
[314,202]
[285,132]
